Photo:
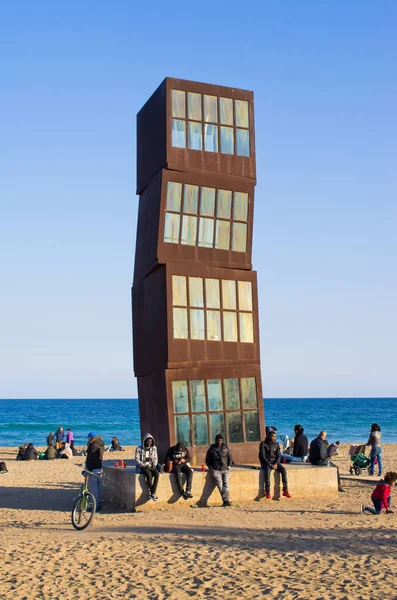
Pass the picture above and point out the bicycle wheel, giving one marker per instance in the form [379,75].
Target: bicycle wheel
[83,511]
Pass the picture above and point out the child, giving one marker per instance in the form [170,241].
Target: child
[381,496]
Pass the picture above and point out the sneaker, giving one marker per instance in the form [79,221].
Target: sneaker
[268,496]
[287,494]
[185,496]
[154,497]
[188,494]
[226,503]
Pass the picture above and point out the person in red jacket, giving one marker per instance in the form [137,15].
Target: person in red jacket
[381,496]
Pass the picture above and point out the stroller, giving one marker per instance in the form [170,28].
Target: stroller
[359,460]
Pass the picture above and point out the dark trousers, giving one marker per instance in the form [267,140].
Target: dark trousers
[151,478]
[280,469]
[178,470]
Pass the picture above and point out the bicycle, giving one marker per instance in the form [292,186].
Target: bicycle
[84,507]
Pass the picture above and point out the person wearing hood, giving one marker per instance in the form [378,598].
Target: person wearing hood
[146,464]
[93,462]
[66,451]
[179,456]
[269,457]
[219,460]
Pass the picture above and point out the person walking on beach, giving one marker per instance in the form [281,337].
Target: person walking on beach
[70,439]
[269,457]
[300,447]
[179,456]
[93,462]
[374,441]
[219,460]
[146,464]
[50,439]
[381,496]
[59,437]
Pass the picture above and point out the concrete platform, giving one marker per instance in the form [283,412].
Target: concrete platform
[126,489]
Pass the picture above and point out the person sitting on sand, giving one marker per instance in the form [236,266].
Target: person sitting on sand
[333,450]
[115,445]
[269,457]
[93,462]
[300,447]
[50,439]
[179,456]
[146,464]
[65,452]
[219,460]
[59,437]
[21,452]
[31,453]
[50,453]
[381,496]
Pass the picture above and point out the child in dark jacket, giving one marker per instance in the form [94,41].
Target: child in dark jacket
[381,496]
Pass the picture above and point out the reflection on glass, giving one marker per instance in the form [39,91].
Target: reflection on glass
[222,235]
[229,294]
[242,142]
[174,194]
[195,136]
[171,228]
[229,326]
[227,140]
[232,394]
[180,323]
[196,293]
[178,134]
[190,201]
[194,106]
[197,395]
[210,109]
[239,237]
[180,396]
[214,333]
[211,138]
[234,427]
[206,233]
[241,113]
[226,111]
[212,297]
[252,433]
[246,327]
[244,295]
[217,423]
[207,206]
[214,389]
[240,211]
[182,429]
[200,430]
[224,207]
[248,390]
[197,324]
[179,296]
[189,230]
[178,104]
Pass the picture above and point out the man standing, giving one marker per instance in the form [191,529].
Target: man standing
[70,439]
[179,456]
[59,435]
[219,460]
[269,457]
[50,439]
[95,449]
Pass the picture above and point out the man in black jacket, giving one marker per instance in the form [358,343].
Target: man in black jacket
[219,460]
[95,449]
[318,451]
[179,456]
[300,447]
[269,457]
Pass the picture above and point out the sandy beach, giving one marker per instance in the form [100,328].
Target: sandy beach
[291,548]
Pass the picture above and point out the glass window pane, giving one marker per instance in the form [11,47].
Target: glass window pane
[244,295]
[227,140]
[171,228]
[195,136]
[246,327]
[234,428]
[214,333]
[210,109]
[174,195]
[222,235]
[190,199]
[239,237]
[200,430]
[196,292]
[206,233]
[232,394]
[197,395]
[217,423]
[241,113]
[197,330]
[242,142]
[223,210]
[214,388]
[182,429]
[248,390]
[211,138]
[226,111]
[180,396]
[179,296]
[230,327]
[212,298]
[180,323]
[207,206]
[252,433]
[229,300]
[178,134]
[240,211]
[189,230]
[178,104]
[194,106]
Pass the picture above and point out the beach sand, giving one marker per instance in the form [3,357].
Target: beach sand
[291,548]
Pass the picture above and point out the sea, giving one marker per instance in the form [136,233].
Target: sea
[344,419]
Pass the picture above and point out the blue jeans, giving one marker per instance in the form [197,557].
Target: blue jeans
[95,486]
[377,505]
[290,459]
[376,451]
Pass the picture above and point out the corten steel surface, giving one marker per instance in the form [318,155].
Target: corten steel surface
[151,249]
[154,132]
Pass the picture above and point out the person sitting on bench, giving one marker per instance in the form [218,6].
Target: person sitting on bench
[269,457]
[179,456]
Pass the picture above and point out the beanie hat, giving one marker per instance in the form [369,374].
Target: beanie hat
[219,436]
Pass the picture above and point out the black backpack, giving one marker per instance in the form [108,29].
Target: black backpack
[3,468]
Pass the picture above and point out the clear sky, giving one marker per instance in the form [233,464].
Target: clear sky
[73,75]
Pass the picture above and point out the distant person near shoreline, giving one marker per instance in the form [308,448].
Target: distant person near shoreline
[59,437]
[374,440]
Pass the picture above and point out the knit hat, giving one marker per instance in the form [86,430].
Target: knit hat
[218,436]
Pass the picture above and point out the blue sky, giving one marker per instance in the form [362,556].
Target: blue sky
[72,78]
